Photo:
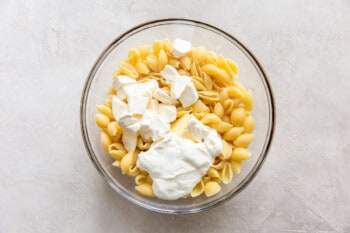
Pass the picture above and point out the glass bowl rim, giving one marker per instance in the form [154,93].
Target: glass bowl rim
[182,210]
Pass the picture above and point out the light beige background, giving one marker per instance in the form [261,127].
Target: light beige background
[48,184]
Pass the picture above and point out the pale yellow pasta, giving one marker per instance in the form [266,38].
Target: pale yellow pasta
[206,179]
[144,50]
[248,124]
[117,154]
[226,119]
[212,172]
[145,189]
[198,189]
[193,70]
[218,164]
[233,133]
[198,79]
[198,54]
[223,95]
[152,62]
[141,145]
[237,116]
[108,102]
[162,59]
[126,162]
[114,130]
[240,154]
[149,180]
[226,150]
[116,163]
[133,171]
[128,69]
[210,119]
[111,91]
[218,74]
[216,179]
[141,67]
[105,140]
[199,106]
[105,110]
[185,62]
[157,46]
[228,105]
[219,110]
[211,188]
[117,151]
[236,166]
[233,66]
[199,86]
[102,120]
[243,140]
[208,82]
[184,72]
[133,56]
[226,173]
[234,92]
[248,101]
[222,127]
[240,86]
[209,96]
[223,64]
[182,113]
[211,58]
[167,45]
[140,178]
[174,62]
[223,104]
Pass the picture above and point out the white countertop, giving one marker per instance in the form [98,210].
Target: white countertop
[47,182]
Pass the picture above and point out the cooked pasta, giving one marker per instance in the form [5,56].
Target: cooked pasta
[223,104]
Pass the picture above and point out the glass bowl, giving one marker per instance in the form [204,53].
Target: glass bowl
[251,75]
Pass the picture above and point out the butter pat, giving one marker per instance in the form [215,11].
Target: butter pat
[180,47]
[167,112]
[169,73]
[189,96]
[137,104]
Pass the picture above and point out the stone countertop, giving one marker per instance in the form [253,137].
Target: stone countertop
[47,182]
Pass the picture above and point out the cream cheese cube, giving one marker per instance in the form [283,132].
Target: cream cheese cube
[179,84]
[129,140]
[180,47]
[169,73]
[122,80]
[189,96]
[137,104]
[119,108]
[143,89]
[167,112]
[152,127]
[206,135]
[130,124]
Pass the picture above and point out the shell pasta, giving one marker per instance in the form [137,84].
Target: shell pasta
[222,104]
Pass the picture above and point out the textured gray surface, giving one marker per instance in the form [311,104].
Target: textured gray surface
[48,184]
